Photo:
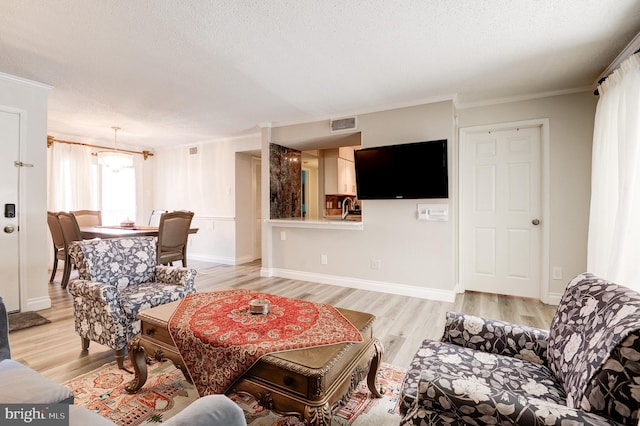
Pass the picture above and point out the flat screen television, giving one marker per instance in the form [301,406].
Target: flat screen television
[412,170]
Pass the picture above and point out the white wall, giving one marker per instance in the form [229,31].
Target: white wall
[206,184]
[416,257]
[30,98]
[420,258]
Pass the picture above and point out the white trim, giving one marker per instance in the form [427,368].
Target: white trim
[554,298]
[545,174]
[218,218]
[25,81]
[626,52]
[546,210]
[360,284]
[37,304]
[25,304]
[225,260]
[521,98]
[345,225]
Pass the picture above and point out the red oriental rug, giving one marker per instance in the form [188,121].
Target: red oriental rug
[219,338]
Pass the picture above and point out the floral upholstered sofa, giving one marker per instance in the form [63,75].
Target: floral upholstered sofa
[117,278]
[584,371]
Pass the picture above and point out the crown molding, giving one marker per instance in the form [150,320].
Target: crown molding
[521,98]
[26,81]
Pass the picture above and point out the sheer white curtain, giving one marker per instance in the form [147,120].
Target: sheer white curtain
[614,222]
[71,181]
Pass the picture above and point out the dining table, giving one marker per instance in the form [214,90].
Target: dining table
[107,231]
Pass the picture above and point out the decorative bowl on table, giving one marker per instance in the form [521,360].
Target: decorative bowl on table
[259,306]
[127,223]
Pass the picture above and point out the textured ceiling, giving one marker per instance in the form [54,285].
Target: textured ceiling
[178,72]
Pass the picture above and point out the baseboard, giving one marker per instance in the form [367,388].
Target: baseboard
[554,298]
[217,259]
[360,284]
[37,304]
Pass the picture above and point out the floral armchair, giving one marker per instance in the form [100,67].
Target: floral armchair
[584,371]
[117,278]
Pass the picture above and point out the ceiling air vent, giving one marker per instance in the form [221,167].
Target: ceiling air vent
[343,124]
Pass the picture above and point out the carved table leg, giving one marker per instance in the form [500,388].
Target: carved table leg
[318,416]
[138,358]
[373,370]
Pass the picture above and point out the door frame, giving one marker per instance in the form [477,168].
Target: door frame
[464,135]
[20,195]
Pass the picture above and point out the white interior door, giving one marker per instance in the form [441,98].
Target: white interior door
[9,240]
[501,213]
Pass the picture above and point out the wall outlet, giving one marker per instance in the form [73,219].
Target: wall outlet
[376,264]
[556,273]
[323,259]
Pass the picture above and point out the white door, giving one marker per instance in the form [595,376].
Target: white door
[500,213]
[9,241]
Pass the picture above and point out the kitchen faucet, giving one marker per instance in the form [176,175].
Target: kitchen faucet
[345,207]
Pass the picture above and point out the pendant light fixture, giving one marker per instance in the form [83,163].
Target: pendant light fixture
[114,159]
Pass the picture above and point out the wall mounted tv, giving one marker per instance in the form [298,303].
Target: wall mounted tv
[412,170]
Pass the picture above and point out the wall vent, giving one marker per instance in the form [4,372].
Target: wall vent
[343,124]
[193,150]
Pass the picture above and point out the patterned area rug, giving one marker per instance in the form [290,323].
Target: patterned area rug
[167,393]
[22,320]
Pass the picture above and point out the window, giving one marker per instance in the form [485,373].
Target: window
[118,195]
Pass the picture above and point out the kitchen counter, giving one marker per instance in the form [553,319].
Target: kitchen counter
[322,223]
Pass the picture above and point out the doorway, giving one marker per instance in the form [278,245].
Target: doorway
[502,222]
[256,201]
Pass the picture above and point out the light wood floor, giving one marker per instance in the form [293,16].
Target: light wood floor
[402,322]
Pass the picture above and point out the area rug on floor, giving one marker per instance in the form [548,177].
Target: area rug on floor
[22,320]
[166,393]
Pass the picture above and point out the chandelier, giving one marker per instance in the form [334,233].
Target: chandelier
[114,159]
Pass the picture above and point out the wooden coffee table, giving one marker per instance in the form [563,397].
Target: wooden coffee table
[309,383]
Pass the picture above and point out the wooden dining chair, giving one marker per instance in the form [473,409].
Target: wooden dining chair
[70,233]
[154,219]
[59,252]
[88,217]
[173,231]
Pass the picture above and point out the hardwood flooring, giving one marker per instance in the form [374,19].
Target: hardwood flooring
[401,322]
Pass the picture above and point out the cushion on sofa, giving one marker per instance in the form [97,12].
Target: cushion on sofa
[497,337]
[477,378]
[593,318]
[136,298]
[118,261]
[21,384]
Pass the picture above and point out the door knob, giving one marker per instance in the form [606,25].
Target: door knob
[536,222]
[9,229]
